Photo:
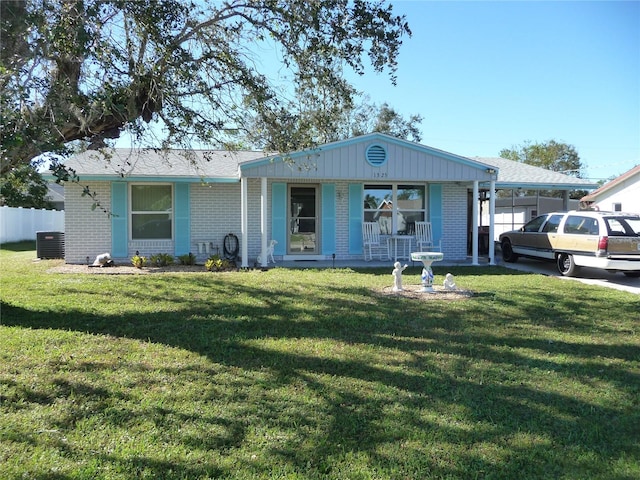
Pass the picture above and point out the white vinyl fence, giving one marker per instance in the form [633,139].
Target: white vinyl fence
[17,224]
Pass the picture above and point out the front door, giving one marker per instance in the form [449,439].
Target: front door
[303,220]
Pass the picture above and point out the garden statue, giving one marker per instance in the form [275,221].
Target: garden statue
[397,276]
[449,282]
[269,254]
[103,260]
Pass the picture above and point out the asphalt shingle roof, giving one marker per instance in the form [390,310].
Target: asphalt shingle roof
[222,164]
[155,163]
[517,174]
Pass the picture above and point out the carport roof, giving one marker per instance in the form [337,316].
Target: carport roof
[512,174]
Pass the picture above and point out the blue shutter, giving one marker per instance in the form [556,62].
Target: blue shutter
[119,220]
[328,213]
[279,217]
[356,212]
[181,221]
[435,211]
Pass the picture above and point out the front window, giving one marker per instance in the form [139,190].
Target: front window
[151,212]
[534,225]
[395,207]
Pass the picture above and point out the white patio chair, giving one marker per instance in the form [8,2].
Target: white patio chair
[424,238]
[373,242]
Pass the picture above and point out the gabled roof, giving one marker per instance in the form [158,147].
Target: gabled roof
[365,139]
[512,174]
[227,166]
[371,157]
[171,165]
[612,184]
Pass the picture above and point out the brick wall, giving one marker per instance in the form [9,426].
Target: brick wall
[454,221]
[215,212]
[87,231]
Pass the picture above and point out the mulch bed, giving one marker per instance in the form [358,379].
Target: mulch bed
[414,292]
[126,269]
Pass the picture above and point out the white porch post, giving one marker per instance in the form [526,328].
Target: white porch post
[263,222]
[492,220]
[244,223]
[474,225]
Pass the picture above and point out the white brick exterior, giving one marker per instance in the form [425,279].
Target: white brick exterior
[87,231]
[454,222]
[215,212]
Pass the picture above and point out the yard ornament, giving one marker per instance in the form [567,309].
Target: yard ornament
[269,254]
[397,276]
[103,260]
[449,282]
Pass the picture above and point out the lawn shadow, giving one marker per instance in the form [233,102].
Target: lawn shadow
[425,373]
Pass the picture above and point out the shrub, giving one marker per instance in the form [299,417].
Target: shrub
[187,259]
[138,261]
[161,260]
[216,264]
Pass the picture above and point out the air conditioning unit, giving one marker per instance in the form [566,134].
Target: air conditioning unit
[50,244]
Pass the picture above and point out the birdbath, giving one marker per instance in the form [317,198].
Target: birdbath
[427,258]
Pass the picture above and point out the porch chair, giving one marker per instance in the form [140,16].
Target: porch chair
[373,242]
[424,238]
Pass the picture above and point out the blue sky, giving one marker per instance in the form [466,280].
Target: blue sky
[491,75]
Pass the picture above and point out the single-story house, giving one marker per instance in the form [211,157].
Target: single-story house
[621,194]
[312,203]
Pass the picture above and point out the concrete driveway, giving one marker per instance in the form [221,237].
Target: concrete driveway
[589,276]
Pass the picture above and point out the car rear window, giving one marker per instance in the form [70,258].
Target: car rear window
[581,225]
[623,227]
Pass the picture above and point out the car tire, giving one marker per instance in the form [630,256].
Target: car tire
[566,265]
[507,252]
[632,274]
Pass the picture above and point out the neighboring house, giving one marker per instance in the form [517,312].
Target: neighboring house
[311,202]
[56,196]
[619,195]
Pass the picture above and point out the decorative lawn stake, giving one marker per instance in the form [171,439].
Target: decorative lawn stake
[397,276]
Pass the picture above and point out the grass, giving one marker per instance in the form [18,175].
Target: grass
[309,375]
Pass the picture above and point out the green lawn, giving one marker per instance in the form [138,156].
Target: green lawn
[310,374]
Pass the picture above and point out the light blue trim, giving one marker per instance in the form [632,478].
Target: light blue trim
[356,212]
[182,220]
[279,217]
[143,179]
[119,220]
[328,217]
[542,186]
[369,138]
[435,211]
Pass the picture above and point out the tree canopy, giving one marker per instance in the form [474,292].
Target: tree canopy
[174,72]
[24,187]
[551,155]
[311,122]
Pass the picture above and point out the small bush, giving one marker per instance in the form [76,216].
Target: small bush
[187,259]
[216,264]
[161,260]
[138,261]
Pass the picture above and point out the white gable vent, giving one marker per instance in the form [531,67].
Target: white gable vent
[376,155]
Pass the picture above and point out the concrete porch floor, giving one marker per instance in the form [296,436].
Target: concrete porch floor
[482,261]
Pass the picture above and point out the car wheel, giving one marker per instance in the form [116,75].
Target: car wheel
[507,252]
[632,274]
[566,265]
